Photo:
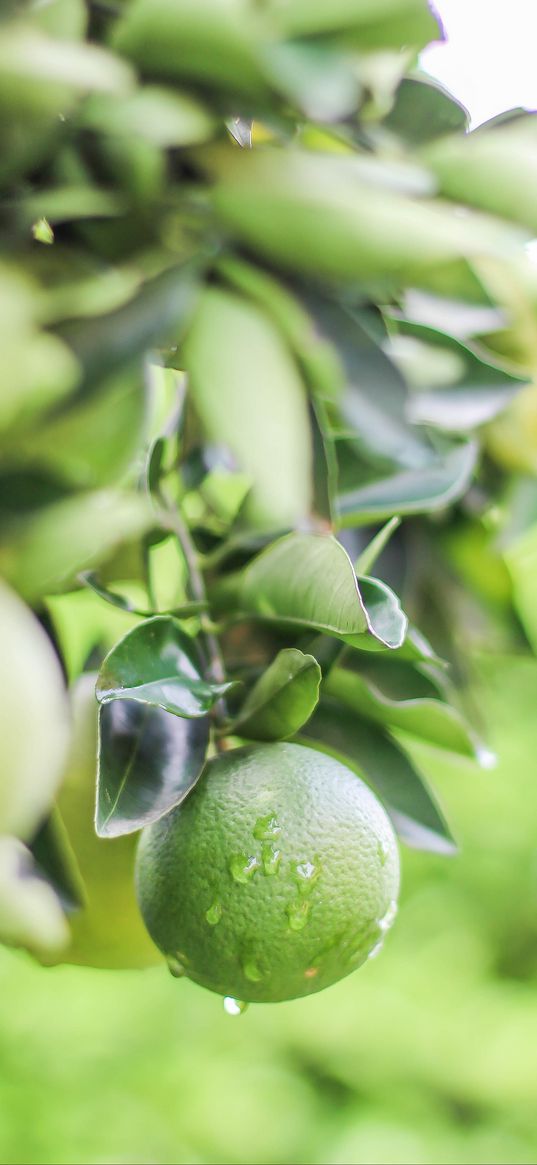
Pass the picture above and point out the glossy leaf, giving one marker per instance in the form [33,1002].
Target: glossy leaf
[157,664]
[413,491]
[282,699]
[30,911]
[126,604]
[422,715]
[308,580]
[387,768]
[148,762]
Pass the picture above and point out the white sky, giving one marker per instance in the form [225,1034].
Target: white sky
[490,59]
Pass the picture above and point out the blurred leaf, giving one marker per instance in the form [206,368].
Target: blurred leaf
[282,699]
[374,549]
[424,110]
[56,860]
[210,44]
[157,664]
[148,762]
[159,312]
[372,24]
[43,551]
[30,912]
[92,440]
[475,389]
[164,117]
[388,769]
[413,491]
[29,55]
[426,716]
[492,168]
[521,560]
[345,218]
[307,580]
[260,409]
[322,83]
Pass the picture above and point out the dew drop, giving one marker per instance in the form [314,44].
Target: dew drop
[234,1006]
[267,828]
[306,875]
[386,921]
[251,970]
[242,867]
[214,913]
[176,966]
[271,858]
[297,913]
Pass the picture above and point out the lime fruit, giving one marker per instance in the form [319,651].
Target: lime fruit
[107,931]
[276,877]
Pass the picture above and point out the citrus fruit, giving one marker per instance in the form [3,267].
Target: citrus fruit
[107,931]
[276,877]
[34,719]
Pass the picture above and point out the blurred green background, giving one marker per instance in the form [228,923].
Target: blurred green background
[427,1054]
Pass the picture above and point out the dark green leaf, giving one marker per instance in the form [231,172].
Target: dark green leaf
[373,697]
[157,664]
[56,859]
[424,110]
[374,755]
[282,699]
[126,604]
[148,762]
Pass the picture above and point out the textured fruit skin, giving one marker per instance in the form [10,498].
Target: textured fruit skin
[294,923]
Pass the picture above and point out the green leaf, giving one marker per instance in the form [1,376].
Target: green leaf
[375,756]
[413,491]
[161,116]
[282,699]
[308,580]
[125,604]
[148,762]
[470,388]
[424,110]
[55,858]
[373,23]
[260,409]
[43,551]
[30,912]
[157,664]
[401,697]
[374,548]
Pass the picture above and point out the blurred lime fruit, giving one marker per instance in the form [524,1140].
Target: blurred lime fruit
[108,930]
[275,878]
[34,719]
[511,439]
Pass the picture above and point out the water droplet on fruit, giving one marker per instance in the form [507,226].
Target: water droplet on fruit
[266,828]
[386,921]
[176,966]
[251,970]
[214,913]
[242,867]
[271,858]
[234,1006]
[297,913]
[306,875]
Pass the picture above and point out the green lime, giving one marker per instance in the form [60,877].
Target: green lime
[276,877]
